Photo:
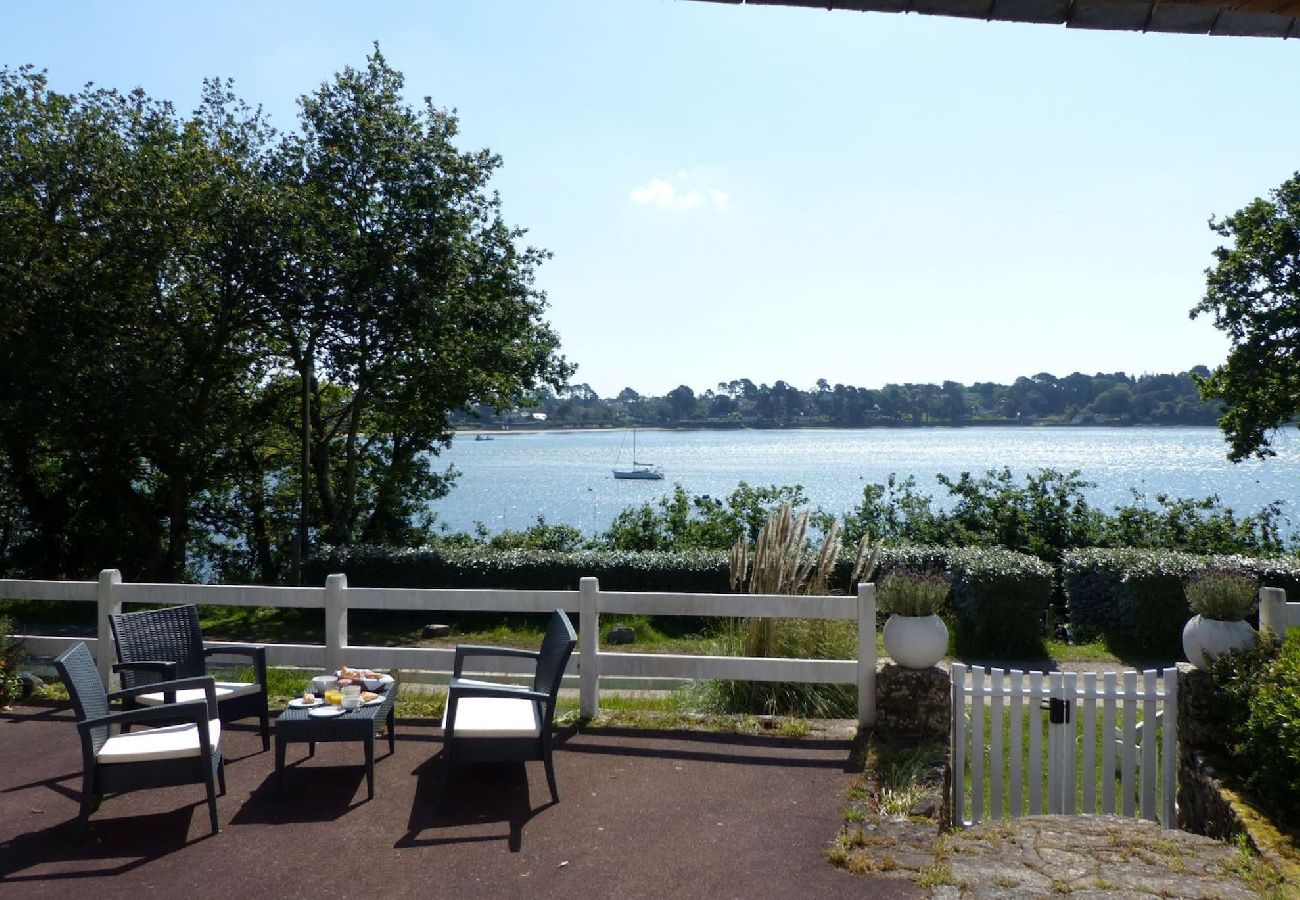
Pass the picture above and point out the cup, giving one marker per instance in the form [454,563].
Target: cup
[351,696]
[333,693]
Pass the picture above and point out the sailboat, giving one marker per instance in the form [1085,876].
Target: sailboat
[641,471]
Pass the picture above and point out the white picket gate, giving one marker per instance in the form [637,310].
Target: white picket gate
[1116,759]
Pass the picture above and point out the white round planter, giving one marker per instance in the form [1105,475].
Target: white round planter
[1204,639]
[916,642]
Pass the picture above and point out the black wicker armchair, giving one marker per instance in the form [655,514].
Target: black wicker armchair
[184,753]
[496,722]
[166,644]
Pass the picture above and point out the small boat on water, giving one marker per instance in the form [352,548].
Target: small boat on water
[482,437]
[640,471]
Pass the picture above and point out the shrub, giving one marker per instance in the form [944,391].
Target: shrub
[1258,694]
[1228,596]
[1270,739]
[1000,599]
[11,653]
[906,592]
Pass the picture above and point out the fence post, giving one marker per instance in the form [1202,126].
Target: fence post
[866,655]
[589,638]
[336,621]
[1272,607]
[106,605]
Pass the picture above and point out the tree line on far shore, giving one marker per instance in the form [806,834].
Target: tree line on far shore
[1077,399]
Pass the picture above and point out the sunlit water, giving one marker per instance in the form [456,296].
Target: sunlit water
[567,478]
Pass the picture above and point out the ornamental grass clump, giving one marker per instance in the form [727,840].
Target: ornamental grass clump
[782,561]
[1224,595]
[907,592]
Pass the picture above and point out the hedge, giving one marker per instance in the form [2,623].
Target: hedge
[1134,598]
[998,596]
[696,571]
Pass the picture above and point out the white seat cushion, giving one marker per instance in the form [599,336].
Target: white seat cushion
[492,684]
[224,689]
[171,742]
[496,717]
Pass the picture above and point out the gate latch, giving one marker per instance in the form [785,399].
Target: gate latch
[1059,711]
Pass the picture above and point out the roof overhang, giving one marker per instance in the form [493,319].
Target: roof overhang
[1250,18]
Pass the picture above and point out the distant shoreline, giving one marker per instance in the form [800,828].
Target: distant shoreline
[542,428]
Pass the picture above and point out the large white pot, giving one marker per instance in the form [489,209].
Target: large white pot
[1204,639]
[916,642]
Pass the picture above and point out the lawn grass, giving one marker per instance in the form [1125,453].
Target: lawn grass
[383,628]
[1002,806]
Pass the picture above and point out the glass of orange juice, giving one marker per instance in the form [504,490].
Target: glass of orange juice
[333,693]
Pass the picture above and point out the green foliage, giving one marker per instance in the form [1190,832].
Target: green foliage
[1258,693]
[180,287]
[1192,526]
[906,592]
[1229,596]
[11,654]
[539,536]
[129,303]
[682,522]
[1047,514]
[407,293]
[1253,294]
[795,638]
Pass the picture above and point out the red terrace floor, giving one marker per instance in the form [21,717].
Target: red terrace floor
[642,814]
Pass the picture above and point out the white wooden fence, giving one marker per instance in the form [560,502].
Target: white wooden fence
[1275,614]
[110,593]
[1133,774]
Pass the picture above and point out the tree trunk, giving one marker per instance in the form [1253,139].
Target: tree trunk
[178,529]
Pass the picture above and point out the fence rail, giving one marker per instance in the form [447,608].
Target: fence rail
[590,663]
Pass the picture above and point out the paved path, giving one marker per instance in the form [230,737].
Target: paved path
[642,814]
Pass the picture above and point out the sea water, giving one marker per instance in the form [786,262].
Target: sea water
[566,477]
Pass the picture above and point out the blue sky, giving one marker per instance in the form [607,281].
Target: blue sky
[771,193]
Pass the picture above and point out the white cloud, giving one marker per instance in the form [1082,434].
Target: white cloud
[688,189]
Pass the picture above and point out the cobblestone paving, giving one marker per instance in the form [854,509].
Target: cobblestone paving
[1088,856]
[1040,856]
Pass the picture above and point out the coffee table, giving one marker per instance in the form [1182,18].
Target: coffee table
[295,725]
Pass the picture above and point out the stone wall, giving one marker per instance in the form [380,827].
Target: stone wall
[913,702]
[914,706]
[1204,804]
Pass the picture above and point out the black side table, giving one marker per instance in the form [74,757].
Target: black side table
[295,725]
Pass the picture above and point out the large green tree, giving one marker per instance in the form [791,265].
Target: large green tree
[409,298]
[128,325]
[172,289]
[1253,292]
